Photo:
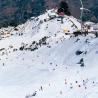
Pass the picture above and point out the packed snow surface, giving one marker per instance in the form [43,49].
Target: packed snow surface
[38,60]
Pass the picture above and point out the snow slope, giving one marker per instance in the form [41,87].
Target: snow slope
[38,60]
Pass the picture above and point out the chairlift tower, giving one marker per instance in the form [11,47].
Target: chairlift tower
[82,10]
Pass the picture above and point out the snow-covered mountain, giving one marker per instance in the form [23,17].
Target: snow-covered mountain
[43,59]
[14,12]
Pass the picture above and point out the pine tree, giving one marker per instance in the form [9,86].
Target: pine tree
[63,6]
